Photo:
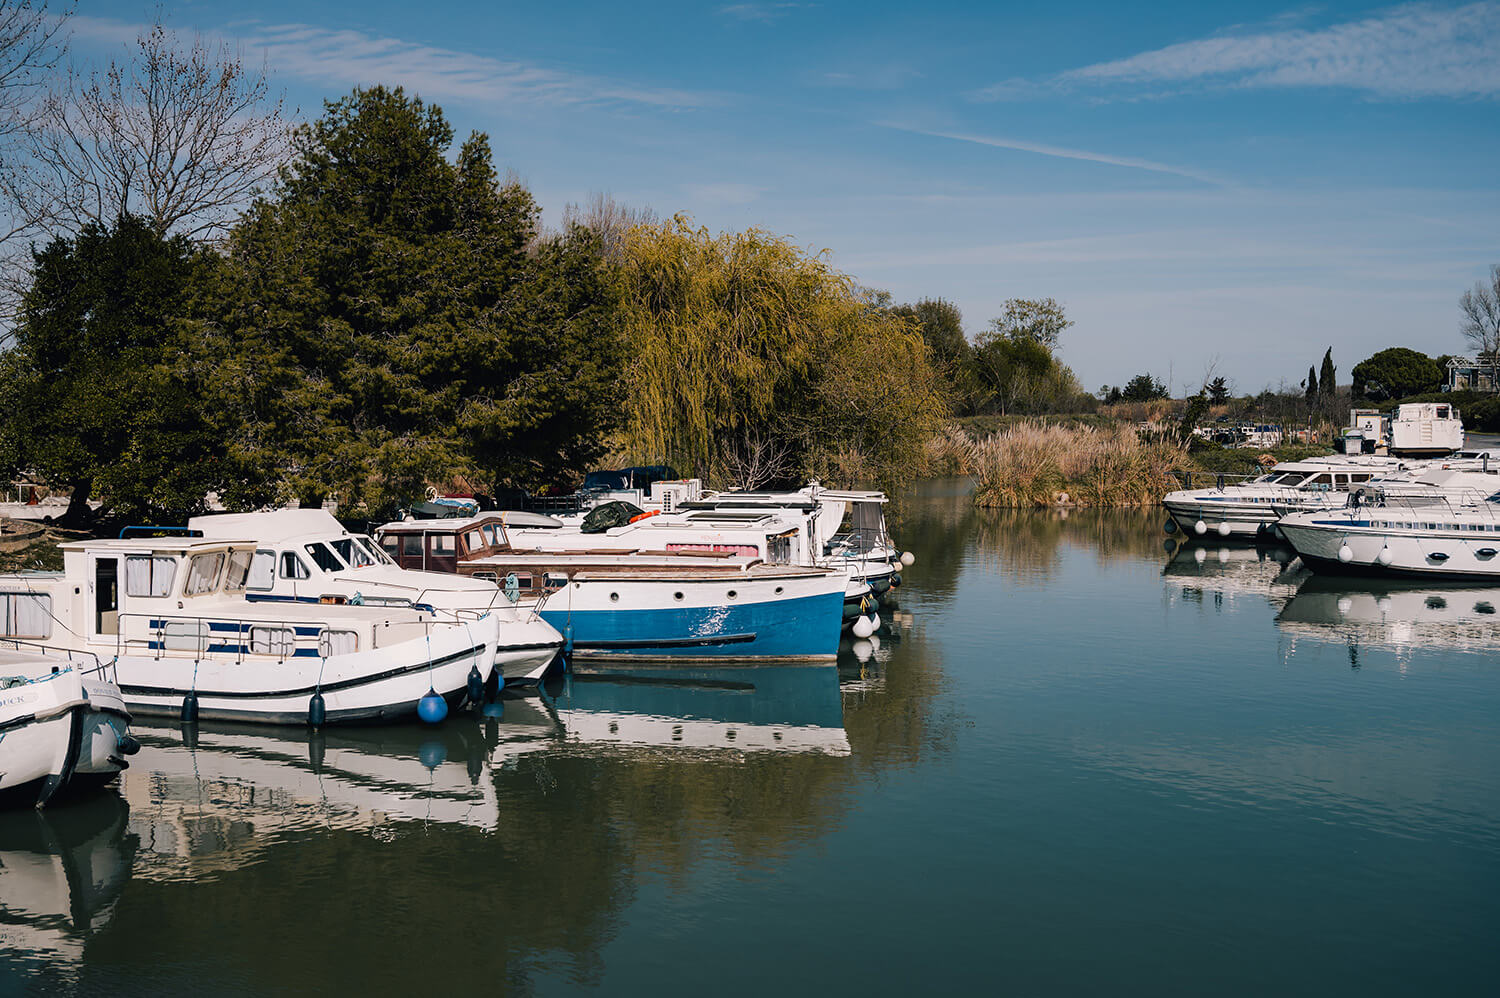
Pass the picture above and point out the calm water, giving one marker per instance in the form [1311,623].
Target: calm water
[1083,766]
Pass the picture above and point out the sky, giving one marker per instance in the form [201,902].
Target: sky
[1208,189]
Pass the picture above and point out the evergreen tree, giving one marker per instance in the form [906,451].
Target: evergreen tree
[103,390]
[1311,385]
[392,319]
[1327,380]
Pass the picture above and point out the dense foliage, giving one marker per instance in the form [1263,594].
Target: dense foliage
[103,393]
[1394,373]
[751,361]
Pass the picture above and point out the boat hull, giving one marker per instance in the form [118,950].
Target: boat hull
[377,685]
[525,649]
[648,622]
[1410,555]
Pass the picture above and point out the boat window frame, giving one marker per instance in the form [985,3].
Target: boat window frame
[229,569]
[317,561]
[303,572]
[210,584]
[271,584]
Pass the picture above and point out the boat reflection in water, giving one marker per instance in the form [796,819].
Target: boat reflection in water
[760,708]
[210,800]
[61,872]
[1228,571]
[1393,616]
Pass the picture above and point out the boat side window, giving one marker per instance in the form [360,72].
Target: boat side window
[474,540]
[1341,482]
[1359,478]
[493,534]
[411,545]
[25,615]
[1320,483]
[239,569]
[293,567]
[203,573]
[149,574]
[323,558]
[262,570]
[442,544]
[353,554]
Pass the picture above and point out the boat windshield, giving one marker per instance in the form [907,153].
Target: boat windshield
[1291,477]
[324,558]
[375,551]
[354,554]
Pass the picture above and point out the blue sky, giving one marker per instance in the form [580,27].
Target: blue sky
[1232,185]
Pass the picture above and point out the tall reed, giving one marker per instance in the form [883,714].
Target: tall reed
[1032,464]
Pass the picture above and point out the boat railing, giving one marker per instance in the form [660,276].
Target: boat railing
[1214,479]
[1464,502]
[165,634]
[88,663]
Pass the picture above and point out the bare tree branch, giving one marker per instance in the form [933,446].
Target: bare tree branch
[1481,321]
[180,136]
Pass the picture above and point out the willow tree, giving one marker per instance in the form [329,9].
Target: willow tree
[749,358]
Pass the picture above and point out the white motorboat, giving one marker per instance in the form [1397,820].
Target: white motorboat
[1444,524]
[306,556]
[611,600]
[1395,615]
[62,722]
[171,616]
[1251,509]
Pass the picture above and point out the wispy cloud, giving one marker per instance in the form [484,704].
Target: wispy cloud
[1060,152]
[347,56]
[1412,51]
[765,13]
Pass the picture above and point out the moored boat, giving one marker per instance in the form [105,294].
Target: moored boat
[306,556]
[171,616]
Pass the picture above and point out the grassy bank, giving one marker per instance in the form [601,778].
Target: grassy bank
[1031,464]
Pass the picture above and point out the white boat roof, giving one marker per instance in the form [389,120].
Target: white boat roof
[175,544]
[271,525]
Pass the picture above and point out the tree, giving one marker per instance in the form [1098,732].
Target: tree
[178,137]
[31,47]
[103,391]
[941,324]
[1481,321]
[1311,386]
[1039,320]
[741,343]
[1395,373]
[391,319]
[1327,378]
[1009,366]
[1218,390]
[1143,388]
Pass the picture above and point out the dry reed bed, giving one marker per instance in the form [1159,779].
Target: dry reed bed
[1038,465]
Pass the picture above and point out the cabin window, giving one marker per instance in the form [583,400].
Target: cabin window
[262,571]
[203,573]
[1359,478]
[279,641]
[149,575]
[487,576]
[555,581]
[442,544]
[492,534]
[337,643]
[474,539]
[411,545]
[239,570]
[1341,482]
[292,567]
[324,558]
[1323,483]
[353,554]
[391,545]
[26,615]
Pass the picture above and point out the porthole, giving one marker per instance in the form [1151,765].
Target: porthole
[677,597]
[733,594]
[614,597]
[778,590]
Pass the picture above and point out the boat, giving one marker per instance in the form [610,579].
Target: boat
[307,556]
[170,615]
[678,603]
[1444,524]
[16,534]
[63,723]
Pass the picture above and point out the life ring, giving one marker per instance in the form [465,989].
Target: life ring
[642,516]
